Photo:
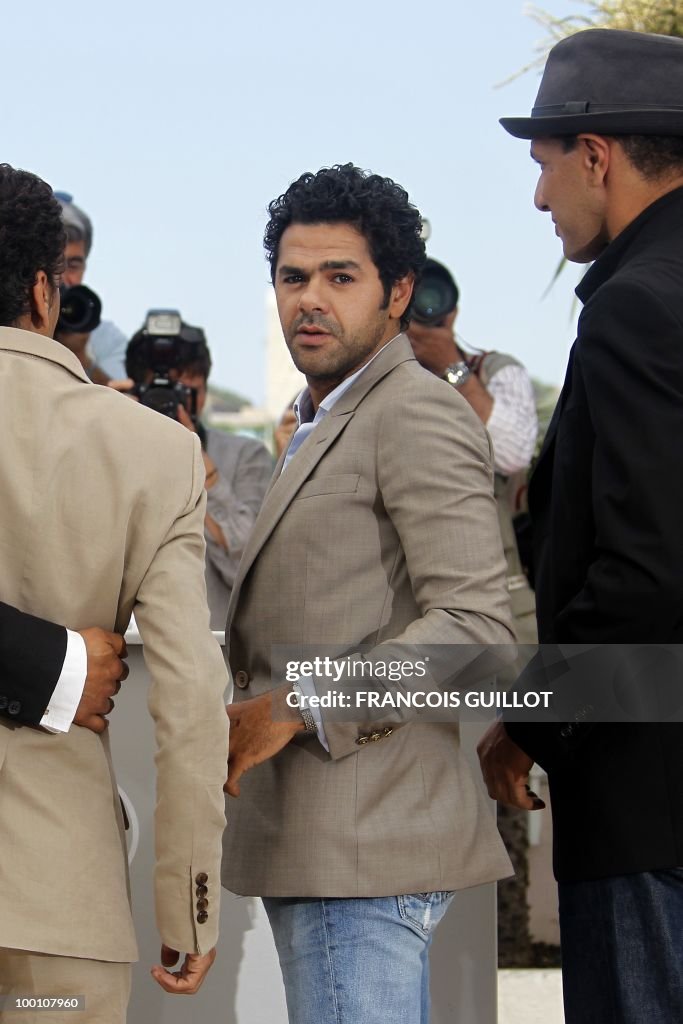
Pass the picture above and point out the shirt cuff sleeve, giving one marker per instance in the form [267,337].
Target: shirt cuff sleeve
[308,690]
[66,696]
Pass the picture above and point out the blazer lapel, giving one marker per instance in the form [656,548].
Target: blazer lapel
[285,485]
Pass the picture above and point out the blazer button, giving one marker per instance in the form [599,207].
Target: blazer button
[388,731]
[202,916]
[566,731]
[374,736]
[14,707]
[201,891]
[241,679]
[202,878]
[202,904]
[362,740]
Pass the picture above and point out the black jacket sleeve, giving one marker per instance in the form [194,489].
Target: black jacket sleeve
[629,368]
[32,654]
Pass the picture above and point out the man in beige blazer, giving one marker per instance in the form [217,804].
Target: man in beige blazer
[102,514]
[379,539]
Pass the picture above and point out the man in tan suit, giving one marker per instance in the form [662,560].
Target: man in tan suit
[102,514]
[378,540]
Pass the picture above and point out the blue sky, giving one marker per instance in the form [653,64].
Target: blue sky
[173,124]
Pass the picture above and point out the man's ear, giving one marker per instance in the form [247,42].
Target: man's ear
[595,152]
[41,297]
[401,294]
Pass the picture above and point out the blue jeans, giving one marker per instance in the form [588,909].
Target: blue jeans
[622,949]
[356,961]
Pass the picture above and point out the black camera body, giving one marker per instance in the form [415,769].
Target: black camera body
[80,309]
[156,354]
[436,295]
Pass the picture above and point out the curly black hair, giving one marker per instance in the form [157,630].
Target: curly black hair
[31,239]
[377,207]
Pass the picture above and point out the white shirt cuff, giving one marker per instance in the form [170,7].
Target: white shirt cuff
[65,699]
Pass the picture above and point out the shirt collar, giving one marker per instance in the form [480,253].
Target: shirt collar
[303,405]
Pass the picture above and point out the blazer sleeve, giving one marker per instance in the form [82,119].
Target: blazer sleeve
[435,480]
[186,701]
[32,654]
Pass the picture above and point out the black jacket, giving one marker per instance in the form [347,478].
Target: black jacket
[31,657]
[606,501]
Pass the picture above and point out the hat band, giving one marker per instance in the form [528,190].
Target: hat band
[586,107]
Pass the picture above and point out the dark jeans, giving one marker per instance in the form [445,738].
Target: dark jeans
[622,949]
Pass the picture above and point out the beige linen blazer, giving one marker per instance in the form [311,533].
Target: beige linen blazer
[381,530]
[102,515]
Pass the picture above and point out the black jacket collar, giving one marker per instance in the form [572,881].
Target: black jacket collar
[647,225]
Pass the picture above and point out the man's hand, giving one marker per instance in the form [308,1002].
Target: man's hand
[284,430]
[435,348]
[189,978]
[259,729]
[124,386]
[106,671]
[506,768]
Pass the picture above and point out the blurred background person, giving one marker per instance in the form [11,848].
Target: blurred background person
[169,363]
[99,344]
[284,428]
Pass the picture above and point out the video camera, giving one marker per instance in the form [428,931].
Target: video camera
[436,295]
[157,354]
[80,309]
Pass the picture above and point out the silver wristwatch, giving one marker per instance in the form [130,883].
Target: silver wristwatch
[306,714]
[457,373]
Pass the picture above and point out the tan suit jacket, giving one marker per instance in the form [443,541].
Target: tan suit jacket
[102,514]
[381,529]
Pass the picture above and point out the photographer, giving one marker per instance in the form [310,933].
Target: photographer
[169,362]
[99,344]
[500,391]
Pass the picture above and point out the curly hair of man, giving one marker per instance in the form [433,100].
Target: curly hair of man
[31,239]
[377,207]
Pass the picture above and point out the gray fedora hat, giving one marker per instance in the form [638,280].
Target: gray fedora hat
[610,82]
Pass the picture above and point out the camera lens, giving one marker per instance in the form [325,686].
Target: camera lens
[436,294]
[80,309]
[162,398]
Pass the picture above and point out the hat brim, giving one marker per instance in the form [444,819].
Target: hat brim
[622,122]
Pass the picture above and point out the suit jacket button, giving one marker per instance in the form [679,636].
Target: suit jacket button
[388,731]
[566,731]
[202,904]
[374,736]
[362,740]
[3,703]
[201,891]
[202,878]
[14,707]
[202,916]
[241,679]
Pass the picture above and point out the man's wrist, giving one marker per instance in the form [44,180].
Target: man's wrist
[457,374]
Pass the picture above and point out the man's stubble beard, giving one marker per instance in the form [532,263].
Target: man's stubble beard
[343,359]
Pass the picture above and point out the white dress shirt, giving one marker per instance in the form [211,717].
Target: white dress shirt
[66,696]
